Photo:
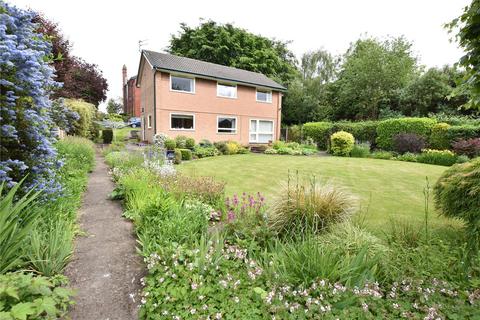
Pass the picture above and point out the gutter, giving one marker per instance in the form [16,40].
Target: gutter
[154,102]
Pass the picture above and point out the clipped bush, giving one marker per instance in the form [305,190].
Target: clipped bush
[364,131]
[271,151]
[177,156]
[107,136]
[310,208]
[438,157]
[186,154]
[170,144]
[190,143]
[408,142]
[388,129]
[469,148]
[439,137]
[181,142]
[319,132]
[457,195]
[360,150]
[341,143]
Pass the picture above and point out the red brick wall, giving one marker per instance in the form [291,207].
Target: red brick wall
[133,99]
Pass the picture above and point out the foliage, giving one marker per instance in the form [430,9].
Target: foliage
[341,143]
[457,195]
[470,147]
[379,154]
[205,189]
[203,152]
[27,81]
[81,80]
[439,136]
[360,150]
[25,296]
[310,208]
[190,143]
[407,156]
[177,159]
[186,154]
[372,73]
[285,150]
[271,151]
[124,160]
[365,131]
[231,46]
[107,135]
[62,116]
[463,132]
[387,129]
[84,125]
[16,222]
[114,106]
[170,144]
[408,142]
[231,147]
[438,157]
[205,143]
[181,142]
[319,132]
[468,38]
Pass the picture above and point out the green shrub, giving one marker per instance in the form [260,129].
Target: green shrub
[25,296]
[463,132]
[231,147]
[181,142]
[285,150]
[319,132]
[178,156]
[271,151]
[407,156]
[243,150]
[205,143]
[438,157]
[203,152]
[107,136]
[84,126]
[457,195]
[364,131]
[388,129]
[341,143]
[295,133]
[186,154]
[170,144]
[293,145]
[17,219]
[462,159]
[360,150]
[308,151]
[384,155]
[439,137]
[302,209]
[190,143]
[278,144]
[221,146]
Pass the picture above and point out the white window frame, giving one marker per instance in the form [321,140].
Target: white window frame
[258,132]
[228,117]
[181,114]
[185,77]
[149,121]
[264,90]
[228,85]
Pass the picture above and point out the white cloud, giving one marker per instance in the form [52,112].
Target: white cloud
[107,32]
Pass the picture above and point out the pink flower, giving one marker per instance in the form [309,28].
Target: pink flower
[231,216]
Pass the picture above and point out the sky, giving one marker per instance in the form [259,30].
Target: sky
[107,32]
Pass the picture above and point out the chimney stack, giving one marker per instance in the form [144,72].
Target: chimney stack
[124,71]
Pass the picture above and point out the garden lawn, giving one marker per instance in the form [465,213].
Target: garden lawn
[387,189]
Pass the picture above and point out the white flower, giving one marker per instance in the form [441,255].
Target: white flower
[218,315]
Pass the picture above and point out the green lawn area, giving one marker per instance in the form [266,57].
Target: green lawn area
[387,189]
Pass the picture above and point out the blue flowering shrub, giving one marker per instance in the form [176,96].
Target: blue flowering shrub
[25,84]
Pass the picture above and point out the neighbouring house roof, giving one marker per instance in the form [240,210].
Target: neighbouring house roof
[169,62]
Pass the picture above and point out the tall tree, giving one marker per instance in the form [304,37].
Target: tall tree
[371,75]
[468,36]
[114,106]
[235,47]
[81,80]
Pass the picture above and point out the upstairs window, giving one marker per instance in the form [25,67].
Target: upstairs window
[226,90]
[182,84]
[226,125]
[264,96]
[182,122]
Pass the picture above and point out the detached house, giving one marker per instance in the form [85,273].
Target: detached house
[182,96]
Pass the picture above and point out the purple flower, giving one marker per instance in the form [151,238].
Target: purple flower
[230,216]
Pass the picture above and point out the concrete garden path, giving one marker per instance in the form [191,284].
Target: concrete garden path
[105,269]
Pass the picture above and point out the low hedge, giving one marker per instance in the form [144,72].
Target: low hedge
[389,128]
[465,132]
[319,131]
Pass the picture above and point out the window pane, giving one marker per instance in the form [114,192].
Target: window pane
[265,126]
[253,137]
[182,121]
[227,91]
[253,125]
[265,96]
[182,84]
[264,138]
[227,125]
